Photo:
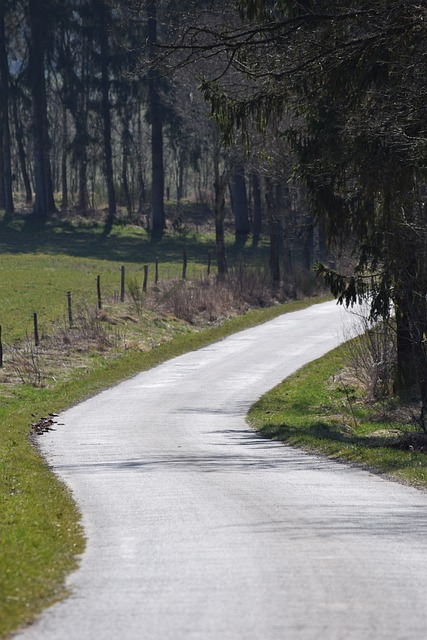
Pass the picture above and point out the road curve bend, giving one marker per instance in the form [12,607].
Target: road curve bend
[198,529]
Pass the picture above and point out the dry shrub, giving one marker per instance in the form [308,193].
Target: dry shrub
[25,361]
[90,328]
[137,295]
[211,299]
[372,357]
[194,301]
[307,283]
[250,284]
[64,347]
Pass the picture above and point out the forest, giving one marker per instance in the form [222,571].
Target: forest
[306,118]
[97,114]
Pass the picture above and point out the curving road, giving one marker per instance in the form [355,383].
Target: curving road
[199,529]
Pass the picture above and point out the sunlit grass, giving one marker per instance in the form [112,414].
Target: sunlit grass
[315,411]
[41,263]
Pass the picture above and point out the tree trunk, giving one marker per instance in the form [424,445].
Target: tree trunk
[284,214]
[126,139]
[21,152]
[80,143]
[406,378]
[220,185]
[83,192]
[275,232]
[308,242]
[157,167]
[5,142]
[140,172]
[2,193]
[180,182]
[64,180]
[239,203]
[256,208]
[44,203]
[157,185]
[106,116]
[221,257]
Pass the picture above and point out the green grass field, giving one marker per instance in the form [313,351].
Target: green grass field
[40,263]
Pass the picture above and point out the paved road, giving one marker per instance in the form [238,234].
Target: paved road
[199,529]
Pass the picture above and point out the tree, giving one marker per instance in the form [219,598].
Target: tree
[74,63]
[239,202]
[353,79]
[256,206]
[156,121]
[103,17]
[44,203]
[17,99]
[4,117]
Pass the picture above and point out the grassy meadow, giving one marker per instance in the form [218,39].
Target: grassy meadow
[41,262]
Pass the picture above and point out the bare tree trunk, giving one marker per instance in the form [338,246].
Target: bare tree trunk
[4,78]
[284,213]
[221,258]
[44,203]
[256,208]
[239,203]
[83,191]
[126,138]
[157,166]
[2,192]
[275,231]
[64,179]
[21,152]
[220,186]
[140,173]
[106,116]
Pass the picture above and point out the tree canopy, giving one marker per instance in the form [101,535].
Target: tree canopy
[348,85]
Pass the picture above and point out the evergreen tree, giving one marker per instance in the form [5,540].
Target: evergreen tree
[353,78]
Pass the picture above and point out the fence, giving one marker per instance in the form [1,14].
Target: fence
[99,295]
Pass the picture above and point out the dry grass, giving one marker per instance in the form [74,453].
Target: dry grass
[372,358]
[145,320]
[210,300]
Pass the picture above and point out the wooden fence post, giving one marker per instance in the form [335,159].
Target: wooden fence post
[144,285]
[70,310]
[1,350]
[36,330]
[209,263]
[122,284]
[184,265]
[156,277]
[98,291]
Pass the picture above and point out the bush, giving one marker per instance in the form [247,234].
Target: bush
[372,357]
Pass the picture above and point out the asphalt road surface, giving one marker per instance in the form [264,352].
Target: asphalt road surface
[199,529]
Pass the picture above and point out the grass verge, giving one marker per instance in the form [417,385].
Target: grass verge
[318,409]
[40,535]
